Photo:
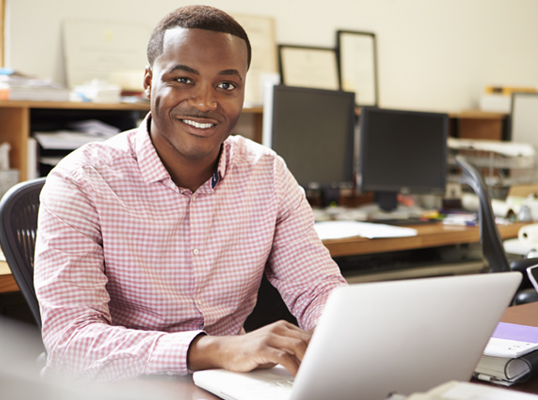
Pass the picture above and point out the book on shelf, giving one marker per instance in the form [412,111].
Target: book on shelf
[510,356]
[26,88]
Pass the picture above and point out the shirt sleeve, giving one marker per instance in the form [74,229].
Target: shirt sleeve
[300,266]
[78,332]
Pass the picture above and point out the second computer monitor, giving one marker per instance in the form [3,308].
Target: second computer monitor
[402,152]
[313,130]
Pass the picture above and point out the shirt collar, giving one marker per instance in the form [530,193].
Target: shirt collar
[150,164]
[216,175]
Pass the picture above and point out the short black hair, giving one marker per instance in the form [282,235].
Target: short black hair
[195,17]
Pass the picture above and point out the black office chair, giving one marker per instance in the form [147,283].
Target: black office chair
[18,228]
[492,246]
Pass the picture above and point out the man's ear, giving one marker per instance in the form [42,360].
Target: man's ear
[147,81]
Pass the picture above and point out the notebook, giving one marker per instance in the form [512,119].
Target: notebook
[378,338]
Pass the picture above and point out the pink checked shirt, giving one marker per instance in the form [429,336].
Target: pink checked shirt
[129,268]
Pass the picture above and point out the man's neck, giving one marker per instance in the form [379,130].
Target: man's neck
[187,173]
[191,175]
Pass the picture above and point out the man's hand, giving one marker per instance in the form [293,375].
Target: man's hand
[278,343]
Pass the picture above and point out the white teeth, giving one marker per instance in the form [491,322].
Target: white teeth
[197,125]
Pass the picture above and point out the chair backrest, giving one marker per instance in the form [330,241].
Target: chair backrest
[18,228]
[492,246]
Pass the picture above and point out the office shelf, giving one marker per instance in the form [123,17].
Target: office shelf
[19,118]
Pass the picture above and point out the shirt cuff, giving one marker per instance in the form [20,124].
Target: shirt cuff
[170,353]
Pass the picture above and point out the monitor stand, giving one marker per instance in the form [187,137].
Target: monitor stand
[330,196]
[323,197]
[387,201]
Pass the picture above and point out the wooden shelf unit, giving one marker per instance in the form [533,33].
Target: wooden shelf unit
[475,124]
[16,123]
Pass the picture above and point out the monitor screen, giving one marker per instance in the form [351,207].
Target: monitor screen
[313,130]
[402,151]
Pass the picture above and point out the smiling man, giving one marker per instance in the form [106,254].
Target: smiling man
[196,87]
[152,245]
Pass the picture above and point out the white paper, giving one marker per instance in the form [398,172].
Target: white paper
[470,391]
[508,149]
[508,348]
[64,140]
[344,229]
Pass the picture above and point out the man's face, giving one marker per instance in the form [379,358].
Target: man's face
[196,87]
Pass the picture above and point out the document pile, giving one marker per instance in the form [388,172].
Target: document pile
[21,87]
[55,145]
[345,229]
[510,355]
[518,158]
[83,132]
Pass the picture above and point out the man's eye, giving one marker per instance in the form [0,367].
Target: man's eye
[227,86]
[183,80]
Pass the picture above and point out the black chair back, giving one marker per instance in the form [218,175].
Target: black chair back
[18,228]
[492,246]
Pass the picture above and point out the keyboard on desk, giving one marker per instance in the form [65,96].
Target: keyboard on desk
[263,384]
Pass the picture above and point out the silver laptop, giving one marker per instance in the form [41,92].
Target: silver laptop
[375,339]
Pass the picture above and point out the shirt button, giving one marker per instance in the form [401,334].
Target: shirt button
[195,252]
[193,199]
[200,302]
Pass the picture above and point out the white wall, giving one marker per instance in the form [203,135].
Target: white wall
[432,54]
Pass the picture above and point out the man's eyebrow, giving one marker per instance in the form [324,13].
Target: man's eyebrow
[182,67]
[231,72]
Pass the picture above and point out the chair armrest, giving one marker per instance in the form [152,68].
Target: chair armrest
[523,264]
[526,296]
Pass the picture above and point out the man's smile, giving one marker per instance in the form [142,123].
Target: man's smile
[198,125]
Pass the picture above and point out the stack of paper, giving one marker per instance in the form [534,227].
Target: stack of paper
[25,88]
[343,229]
[64,140]
[85,132]
[510,355]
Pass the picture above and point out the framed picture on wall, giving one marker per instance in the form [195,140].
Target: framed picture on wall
[312,67]
[357,65]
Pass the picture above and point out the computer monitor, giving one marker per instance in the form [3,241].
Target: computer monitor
[313,130]
[401,152]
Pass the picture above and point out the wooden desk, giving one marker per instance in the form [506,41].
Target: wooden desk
[7,282]
[182,388]
[428,236]
[525,314]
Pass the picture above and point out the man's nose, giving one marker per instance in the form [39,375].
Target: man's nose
[203,99]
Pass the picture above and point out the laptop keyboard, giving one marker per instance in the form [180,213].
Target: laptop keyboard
[276,390]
